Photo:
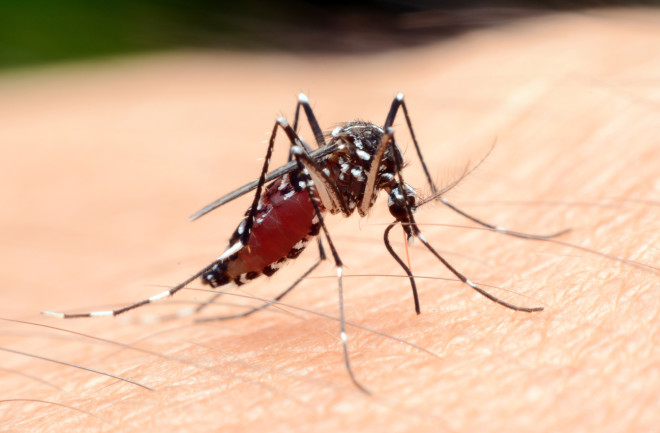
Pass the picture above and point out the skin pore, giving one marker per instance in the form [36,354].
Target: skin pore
[107,161]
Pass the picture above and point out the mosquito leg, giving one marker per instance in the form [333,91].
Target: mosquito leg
[331,199]
[118,311]
[326,189]
[418,234]
[502,229]
[245,236]
[286,168]
[247,231]
[376,159]
[470,283]
[321,258]
[231,250]
[388,245]
[208,302]
[397,103]
[322,150]
[342,317]
[318,180]
[303,101]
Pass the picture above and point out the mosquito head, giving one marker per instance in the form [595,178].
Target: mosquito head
[401,199]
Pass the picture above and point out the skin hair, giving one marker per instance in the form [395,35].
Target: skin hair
[106,161]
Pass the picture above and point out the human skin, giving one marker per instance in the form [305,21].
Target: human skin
[104,162]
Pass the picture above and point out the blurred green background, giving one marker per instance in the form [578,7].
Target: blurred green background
[36,32]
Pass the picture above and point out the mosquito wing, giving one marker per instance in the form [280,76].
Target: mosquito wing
[281,171]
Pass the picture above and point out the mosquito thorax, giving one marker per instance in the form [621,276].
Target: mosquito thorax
[349,165]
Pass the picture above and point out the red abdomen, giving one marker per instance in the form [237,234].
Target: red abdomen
[284,223]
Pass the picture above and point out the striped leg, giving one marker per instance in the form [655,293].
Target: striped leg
[154,298]
[460,276]
[399,103]
[400,199]
[229,252]
[331,198]
[311,119]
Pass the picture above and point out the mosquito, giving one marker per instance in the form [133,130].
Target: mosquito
[340,176]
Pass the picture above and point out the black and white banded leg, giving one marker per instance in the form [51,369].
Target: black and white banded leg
[303,101]
[399,103]
[401,199]
[229,252]
[329,195]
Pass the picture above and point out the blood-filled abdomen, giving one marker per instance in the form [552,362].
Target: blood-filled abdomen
[284,223]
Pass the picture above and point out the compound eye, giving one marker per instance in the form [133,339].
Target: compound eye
[397,205]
